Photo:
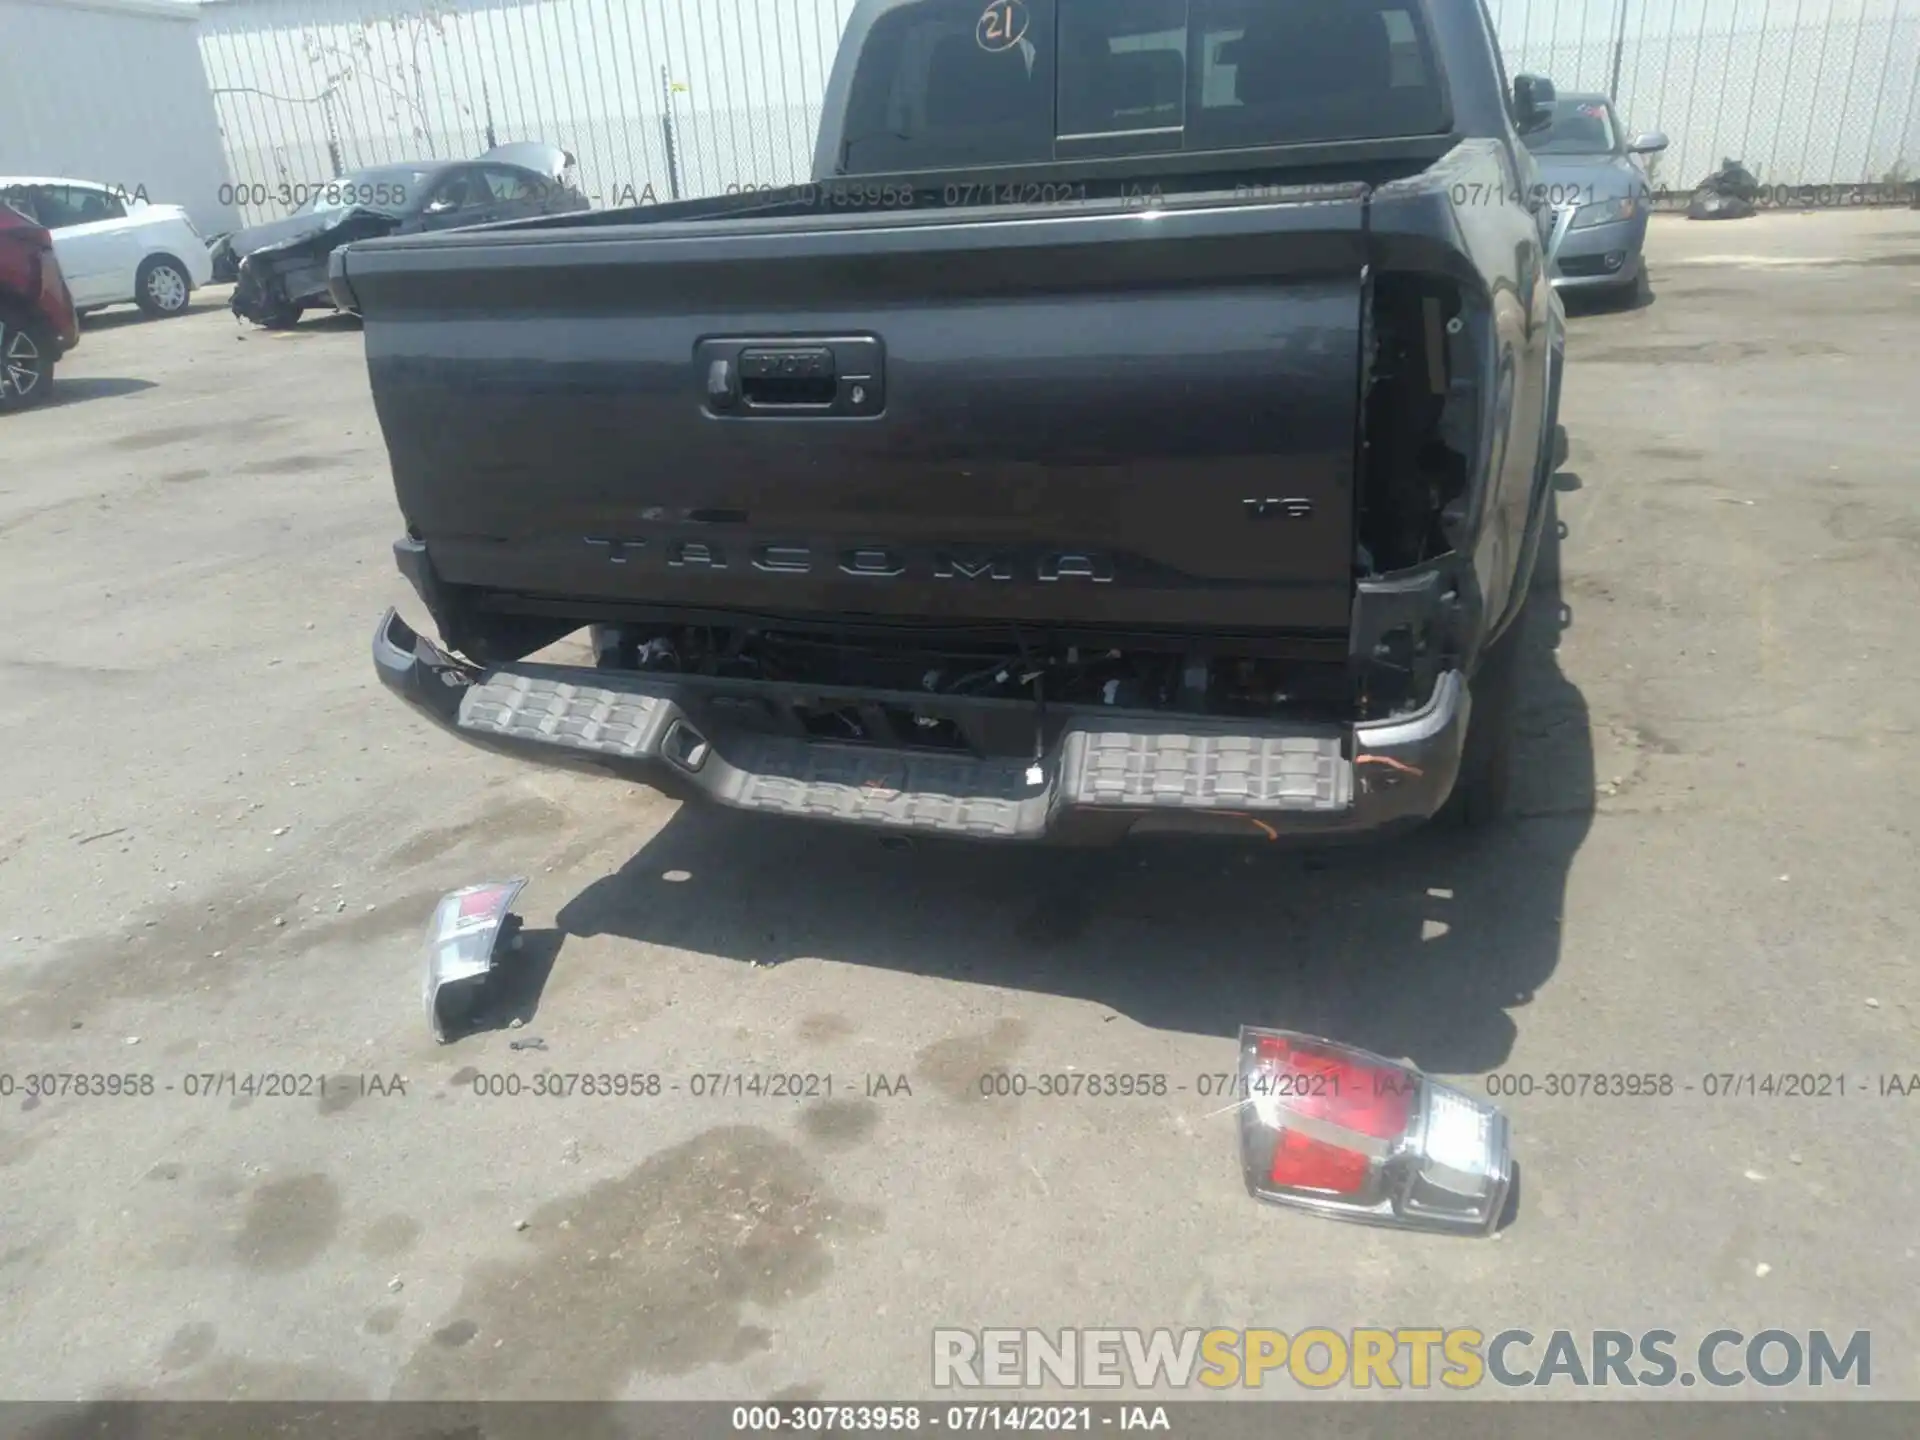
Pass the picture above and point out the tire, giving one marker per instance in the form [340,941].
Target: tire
[162,287]
[1479,797]
[283,317]
[26,363]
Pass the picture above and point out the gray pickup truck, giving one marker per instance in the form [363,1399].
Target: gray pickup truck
[1143,420]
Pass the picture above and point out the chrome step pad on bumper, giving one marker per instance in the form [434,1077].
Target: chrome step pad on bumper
[959,794]
[1265,778]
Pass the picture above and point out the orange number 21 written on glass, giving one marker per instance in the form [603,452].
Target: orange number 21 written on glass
[1002,25]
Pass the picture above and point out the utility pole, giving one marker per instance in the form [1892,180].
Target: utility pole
[333,124]
[1619,48]
[667,87]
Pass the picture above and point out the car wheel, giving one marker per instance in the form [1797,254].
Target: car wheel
[280,317]
[1486,761]
[26,364]
[162,287]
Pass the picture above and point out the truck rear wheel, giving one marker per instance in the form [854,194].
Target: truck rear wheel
[1486,762]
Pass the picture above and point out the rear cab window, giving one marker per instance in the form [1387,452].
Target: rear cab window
[950,84]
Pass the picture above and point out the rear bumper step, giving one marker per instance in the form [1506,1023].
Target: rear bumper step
[1104,776]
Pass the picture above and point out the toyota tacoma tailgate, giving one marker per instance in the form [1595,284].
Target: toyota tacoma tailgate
[1106,416]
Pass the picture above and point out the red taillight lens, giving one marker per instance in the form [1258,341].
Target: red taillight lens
[484,901]
[1303,1164]
[1323,1083]
[1335,1130]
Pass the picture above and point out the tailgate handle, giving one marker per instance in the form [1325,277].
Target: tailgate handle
[789,376]
[818,377]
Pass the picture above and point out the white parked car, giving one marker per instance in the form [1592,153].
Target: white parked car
[115,248]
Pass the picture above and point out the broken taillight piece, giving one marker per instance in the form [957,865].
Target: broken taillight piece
[461,937]
[1352,1135]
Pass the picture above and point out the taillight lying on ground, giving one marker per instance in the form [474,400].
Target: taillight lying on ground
[467,924]
[1352,1135]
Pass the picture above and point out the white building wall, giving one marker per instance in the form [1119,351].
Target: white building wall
[113,91]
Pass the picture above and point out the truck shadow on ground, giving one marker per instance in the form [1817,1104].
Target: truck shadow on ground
[76,390]
[1583,304]
[1422,946]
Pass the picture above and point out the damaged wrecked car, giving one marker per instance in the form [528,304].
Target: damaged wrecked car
[281,266]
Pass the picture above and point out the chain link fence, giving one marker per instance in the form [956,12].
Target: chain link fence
[1807,94]
[657,98]
[665,98]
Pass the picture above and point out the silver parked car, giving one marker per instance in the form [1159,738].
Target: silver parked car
[1588,165]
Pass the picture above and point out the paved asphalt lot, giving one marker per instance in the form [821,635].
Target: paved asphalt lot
[222,840]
